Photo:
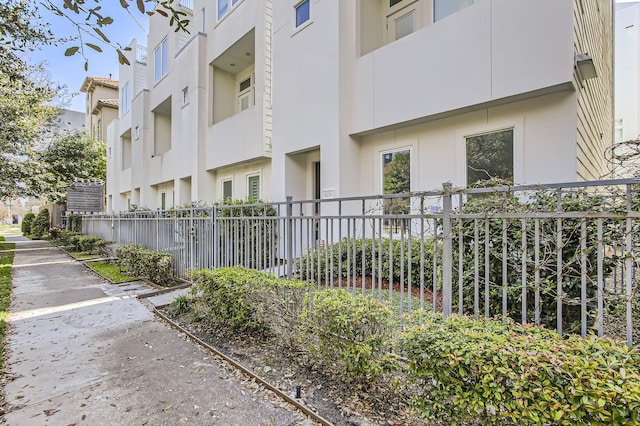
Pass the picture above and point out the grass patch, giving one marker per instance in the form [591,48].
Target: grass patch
[110,271]
[10,230]
[84,255]
[6,259]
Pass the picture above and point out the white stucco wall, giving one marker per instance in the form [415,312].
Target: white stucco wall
[627,71]
[541,151]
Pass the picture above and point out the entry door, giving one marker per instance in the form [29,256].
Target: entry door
[403,18]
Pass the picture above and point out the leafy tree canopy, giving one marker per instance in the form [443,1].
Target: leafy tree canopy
[92,24]
[70,156]
[25,115]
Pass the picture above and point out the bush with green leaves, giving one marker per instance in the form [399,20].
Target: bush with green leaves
[92,244]
[254,245]
[136,260]
[67,238]
[498,372]
[27,221]
[41,224]
[74,223]
[534,202]
[387,255]
[348,334]
[242,299]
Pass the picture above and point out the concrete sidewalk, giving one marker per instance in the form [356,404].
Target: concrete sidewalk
[83,351]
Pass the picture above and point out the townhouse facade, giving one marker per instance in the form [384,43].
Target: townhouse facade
[102,105]
[317,99]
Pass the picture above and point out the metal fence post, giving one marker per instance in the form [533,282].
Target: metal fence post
[216,239]
[289,237]
[447,249]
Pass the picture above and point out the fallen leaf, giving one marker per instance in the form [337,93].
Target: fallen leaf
[50,411]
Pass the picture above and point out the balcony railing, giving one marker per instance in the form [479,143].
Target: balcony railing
[187,4]
[141,54]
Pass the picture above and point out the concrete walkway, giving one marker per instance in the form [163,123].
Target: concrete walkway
[82,351]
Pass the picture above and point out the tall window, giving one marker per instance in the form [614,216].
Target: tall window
[163,201]
[161,56]
[224,6]
[302,12]
[444,8]
[125,102]
[253,187]
[185,95]
[396,179]
[490,156]
[227,189]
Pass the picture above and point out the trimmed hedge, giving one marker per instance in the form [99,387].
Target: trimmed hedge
[27,221]
[136,260]
[501,372]
[242,299]
[348,334]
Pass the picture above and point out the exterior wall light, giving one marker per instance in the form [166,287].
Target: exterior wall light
[586,68]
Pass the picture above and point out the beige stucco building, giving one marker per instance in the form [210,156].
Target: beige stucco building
[265,99]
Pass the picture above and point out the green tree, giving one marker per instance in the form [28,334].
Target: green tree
[92,24]
[70,156]
[25,115]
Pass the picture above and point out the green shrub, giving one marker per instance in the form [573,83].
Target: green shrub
[578,201]
[92,244]
[27,221]
[156,266]
[41,224]
[74,223]
[247,300]
[64,238]
[350,332]
[499,372]
[348,254]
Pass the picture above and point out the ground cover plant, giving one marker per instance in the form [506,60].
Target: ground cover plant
[6,259]
[455,370]
[110,271]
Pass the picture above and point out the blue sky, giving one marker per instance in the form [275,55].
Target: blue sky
[69,71]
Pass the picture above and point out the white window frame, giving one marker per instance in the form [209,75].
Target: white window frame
[517,124]
[161,60]
[259,176]
[125,99]
[387,229]
[222,182]
[399,10]
[136,132]
[248,93]
[163,200]
[231,4]
[433,10]
[304,23]
[380,165]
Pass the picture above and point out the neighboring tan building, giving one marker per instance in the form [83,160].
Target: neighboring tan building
[102,105]
[265,99]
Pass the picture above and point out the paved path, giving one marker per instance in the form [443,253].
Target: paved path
[85,352]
